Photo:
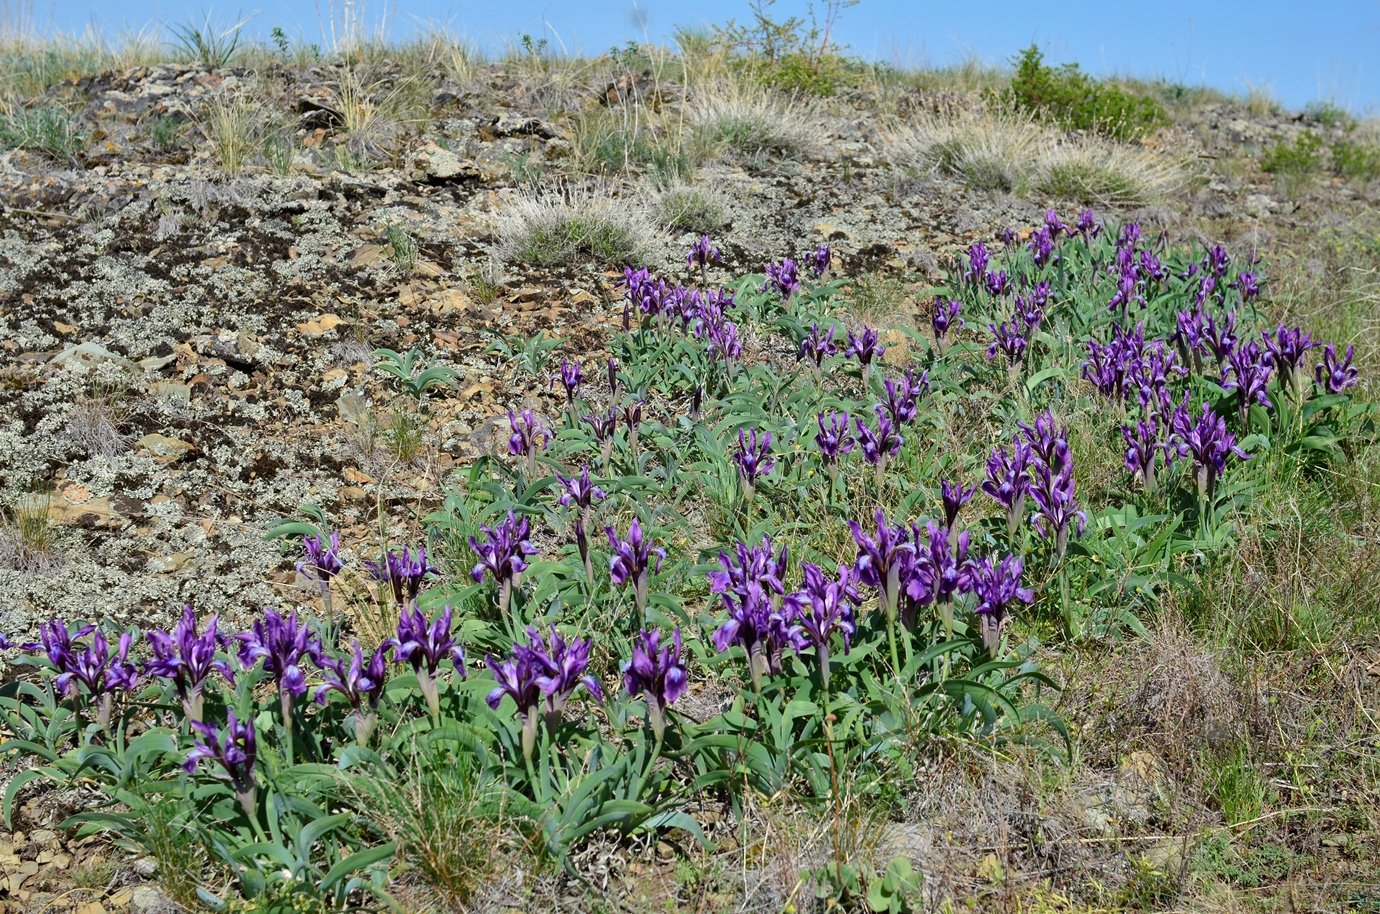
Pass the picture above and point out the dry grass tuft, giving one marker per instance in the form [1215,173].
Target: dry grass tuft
[997,150]
[28,537]
[573,226]
[730,118]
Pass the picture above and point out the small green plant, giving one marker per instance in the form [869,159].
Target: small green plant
[795,54]
[280,40]
[209,45]
[531,353]
[404,435]
[28,538]
[413,376]
[1074,100]
[1303,157]
[1237,787]
[165,132]
[1328,114]
[401,247]
[49,129]
[1355,159]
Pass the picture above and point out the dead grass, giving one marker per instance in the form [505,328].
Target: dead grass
[997,150]
[732,119]
[573,226]
[28,537]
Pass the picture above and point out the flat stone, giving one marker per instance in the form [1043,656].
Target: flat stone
[164,449]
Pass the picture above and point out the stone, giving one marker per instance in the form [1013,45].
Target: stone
[319,326]
[164,449]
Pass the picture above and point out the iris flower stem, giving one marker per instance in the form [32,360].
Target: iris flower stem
[285,709]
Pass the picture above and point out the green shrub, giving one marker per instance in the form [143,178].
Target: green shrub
[1304,156]
[1358,160]
[1074,100]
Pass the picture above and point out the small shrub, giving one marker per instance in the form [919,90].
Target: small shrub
[1302,157]
[691,209]
[572,228]
[48,129]
[1074,100]
[1356,159]
[1327,114]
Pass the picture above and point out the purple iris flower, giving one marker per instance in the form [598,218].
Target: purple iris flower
[1055,225]
[658,674]
[1209,443]
[571,376]
[1030,311]
[542,675]
[722,341]
[880,445]
[1089,226]
[760,620]
[1336,375]
[361,683]
[1130,236]
[529,438]
[945,559]
[884,559]
[403,572]
[90,666]
[503,554]
[1128,290]
[235,750]
[1041,247]
[1247,284]
[954,497]
[784,277]
[998,284]
[1190,336]
[833,439]
[426,646]
[579,492]
[1216,261]
[827,605]
[281,644]
[1248,373]
[944,316]
[820,260]
[1287,349]
[1008,482]
[998,586]
[1008,339]
[321,558]
[1008,237]
[1056,506]
[1142,444]
[977,263]
[702,254]
[751,567]
[187,659]
[631,562]
[817,346]
[1150,267]
[753,457]
[1220,337]
[865,348]
[899,398]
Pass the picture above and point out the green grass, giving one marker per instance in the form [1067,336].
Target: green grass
[48,129]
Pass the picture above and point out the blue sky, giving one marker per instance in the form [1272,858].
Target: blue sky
[1299,52]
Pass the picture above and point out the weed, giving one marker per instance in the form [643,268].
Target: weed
[1236,786]
[404,435]
[1328,115]
[571,227]
[1301,158]
[209,45]
[49,129]
[231,124]
[684,208]
[166,132]
[730,119]
[28,537]
[1072,99]
[1116,176]
[401,248]
[1355,159]
[989,150]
